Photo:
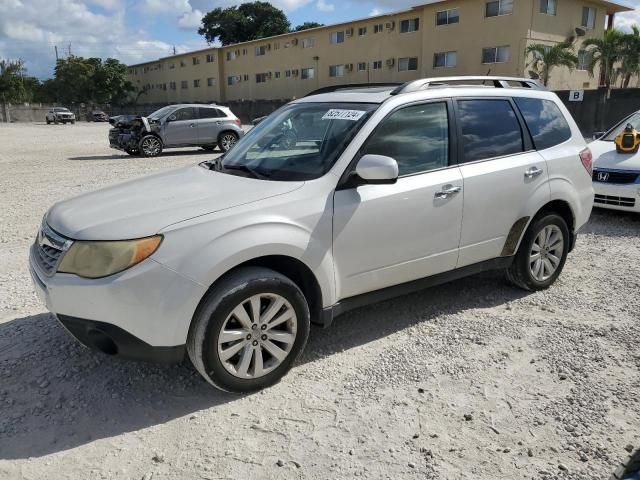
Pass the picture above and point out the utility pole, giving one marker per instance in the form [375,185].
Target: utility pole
[55,47]
[174,50]
[69,49]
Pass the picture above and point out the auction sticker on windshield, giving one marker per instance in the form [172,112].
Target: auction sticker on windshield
[337,114]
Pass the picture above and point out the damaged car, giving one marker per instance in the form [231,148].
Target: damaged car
[175,126]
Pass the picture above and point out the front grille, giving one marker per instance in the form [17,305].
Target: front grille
[620,178]
[615,201]
[48,249]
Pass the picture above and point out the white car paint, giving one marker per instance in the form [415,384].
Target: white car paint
[353,241]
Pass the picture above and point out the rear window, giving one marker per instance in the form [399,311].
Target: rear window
[545,121]
[490,129]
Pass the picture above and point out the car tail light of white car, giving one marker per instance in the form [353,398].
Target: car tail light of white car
[587,160]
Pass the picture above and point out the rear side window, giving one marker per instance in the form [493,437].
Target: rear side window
[545,121]
[417,137]
[210,113]
[490,128]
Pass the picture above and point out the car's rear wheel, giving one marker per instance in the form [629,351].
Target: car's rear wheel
[542,254]
[227,141]
[249,330]
[150,146]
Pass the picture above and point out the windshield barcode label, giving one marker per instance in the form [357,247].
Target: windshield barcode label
[336,114]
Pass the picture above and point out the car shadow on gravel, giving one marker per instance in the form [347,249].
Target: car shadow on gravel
[121,156]
[613,223]
[56,395]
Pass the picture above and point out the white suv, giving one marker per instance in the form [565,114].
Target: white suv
[337,199]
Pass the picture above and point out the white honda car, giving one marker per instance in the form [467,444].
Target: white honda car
[336,200]
[616,176]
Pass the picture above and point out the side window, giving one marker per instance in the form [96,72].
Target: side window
[545,121]
[417,137]
[187,113]
[490,129]
[210,113]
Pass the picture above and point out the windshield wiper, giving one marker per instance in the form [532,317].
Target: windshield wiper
[244,168]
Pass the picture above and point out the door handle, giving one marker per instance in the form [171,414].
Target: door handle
[448,191]
[533,172]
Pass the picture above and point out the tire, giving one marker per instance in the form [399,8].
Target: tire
[540,274]
[150,146]
[216,313]
[227,140]
[48,121]
[73,122]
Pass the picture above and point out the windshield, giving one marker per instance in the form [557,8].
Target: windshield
[634,120]
[60,109]
[158,114]
[299,141]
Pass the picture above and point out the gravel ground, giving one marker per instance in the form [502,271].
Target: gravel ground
[473,379]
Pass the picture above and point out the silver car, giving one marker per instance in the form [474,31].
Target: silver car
[186,125]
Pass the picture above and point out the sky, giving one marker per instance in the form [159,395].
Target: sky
[135,31]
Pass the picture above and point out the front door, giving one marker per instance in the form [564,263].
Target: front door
[386,235]
[503,176]
[181,127]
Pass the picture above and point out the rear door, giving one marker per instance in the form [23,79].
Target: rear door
[181,127]
[505,179]
[210,124]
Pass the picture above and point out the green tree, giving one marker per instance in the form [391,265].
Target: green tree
[248,21]
[546,58]
[605,52]
[630,54]
[12,87]
[307,26]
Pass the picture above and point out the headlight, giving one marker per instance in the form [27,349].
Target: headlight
[104,258]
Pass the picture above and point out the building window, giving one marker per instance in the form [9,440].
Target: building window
[447,17]
[407,64]
[245,51]
[183,63]
[211,82]
[362,66]
[549,7]
[261,77]
[276,46]
[277,74]
[499,7]
[378,28]
[495,55]
[412,25]
[196,83]
[588,18]
[337,37]
[196,60]
[172,85]
[234,80]
[171,67]
[261,51]
[583,60]
[445,59]
[287,73]
[231,56]
[210,58]
[336,71]
[377,65]
[307,73]
[184,85]
[307,42]
[362,31]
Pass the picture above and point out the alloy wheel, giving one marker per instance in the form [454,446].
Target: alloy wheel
[151,146]
[257,336]
[546,253]
[228,141]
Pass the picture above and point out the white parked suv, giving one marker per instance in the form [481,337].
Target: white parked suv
[337,199]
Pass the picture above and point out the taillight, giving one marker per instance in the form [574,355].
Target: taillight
[238,122]
[586,158]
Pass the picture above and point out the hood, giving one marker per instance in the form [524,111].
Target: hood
[122,120]
[143,207]
[605,156]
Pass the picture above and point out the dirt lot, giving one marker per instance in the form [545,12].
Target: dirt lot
[469,380]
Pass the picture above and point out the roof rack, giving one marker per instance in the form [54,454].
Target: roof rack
[353,86]
[496,82]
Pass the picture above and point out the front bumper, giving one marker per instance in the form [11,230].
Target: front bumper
[617,197]
[144,312]
[122,140]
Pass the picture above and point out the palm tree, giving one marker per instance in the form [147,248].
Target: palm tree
[546,58]
[605,52]
[630,53]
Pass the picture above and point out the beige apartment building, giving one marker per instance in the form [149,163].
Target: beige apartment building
[443,38]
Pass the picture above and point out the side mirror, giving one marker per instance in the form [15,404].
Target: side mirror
[377,170]
[171,118]
[597,135]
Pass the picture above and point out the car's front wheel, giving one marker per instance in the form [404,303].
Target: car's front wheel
[542,254]
[227,141]
[249,330]
[150,146]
